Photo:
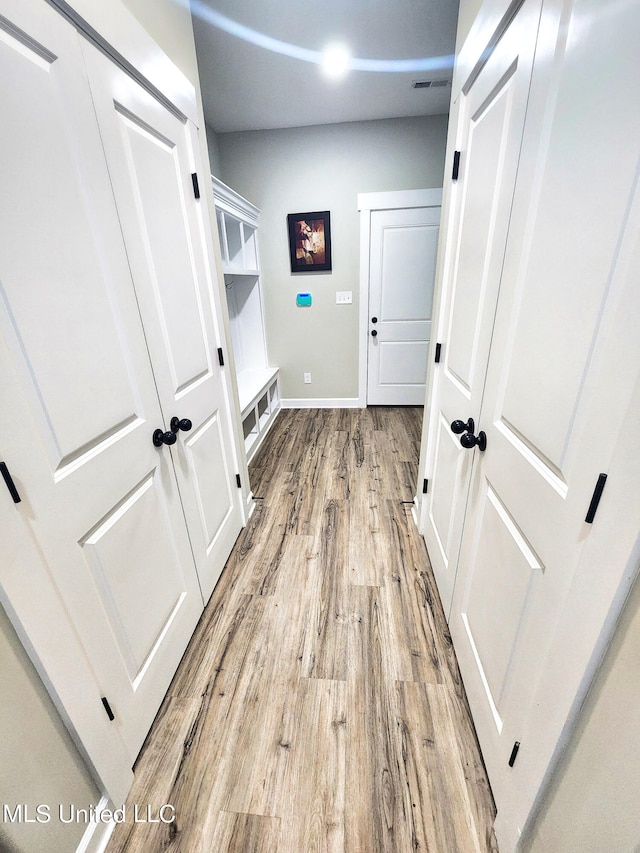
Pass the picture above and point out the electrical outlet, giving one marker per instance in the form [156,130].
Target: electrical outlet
[307,378]
[344,297]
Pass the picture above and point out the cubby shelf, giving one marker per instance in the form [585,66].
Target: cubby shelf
[258,388]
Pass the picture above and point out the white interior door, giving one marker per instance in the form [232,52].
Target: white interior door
[491,122]
[99,537]
[559,387]
[151,155]
[403,248]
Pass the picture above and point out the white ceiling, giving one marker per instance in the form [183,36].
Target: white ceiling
[250,87]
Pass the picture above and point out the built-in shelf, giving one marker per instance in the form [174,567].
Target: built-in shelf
[258,389]
[260,402]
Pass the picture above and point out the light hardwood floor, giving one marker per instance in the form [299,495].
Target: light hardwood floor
[319,706]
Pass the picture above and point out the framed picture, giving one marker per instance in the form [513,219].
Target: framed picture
[310,241]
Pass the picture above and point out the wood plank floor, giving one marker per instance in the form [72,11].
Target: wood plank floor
[319,706]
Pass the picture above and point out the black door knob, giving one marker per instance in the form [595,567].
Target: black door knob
[459,426]
[180,423]
[468,440]
[160,438]
[374,319]
[374,333]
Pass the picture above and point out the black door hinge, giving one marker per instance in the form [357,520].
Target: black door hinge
[514,753]
[196,186]
[456,166]
[425,486]
[220,357]
[238,482]
[595,500]
[438,351]
[10,484]
[107,708]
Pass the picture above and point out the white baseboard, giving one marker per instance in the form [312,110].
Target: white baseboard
[416,507]
[321,403]
[250,506]
[97,835]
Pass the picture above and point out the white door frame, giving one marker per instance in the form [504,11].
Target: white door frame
[368,202]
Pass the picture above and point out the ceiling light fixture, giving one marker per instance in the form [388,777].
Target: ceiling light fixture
[335,60]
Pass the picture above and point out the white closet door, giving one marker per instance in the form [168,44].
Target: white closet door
[99,537]
[151,154]
[491,122]
[565,340]
[549,314]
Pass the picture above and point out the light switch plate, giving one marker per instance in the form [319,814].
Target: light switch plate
[344,297]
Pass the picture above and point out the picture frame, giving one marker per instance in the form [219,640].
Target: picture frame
[310,241]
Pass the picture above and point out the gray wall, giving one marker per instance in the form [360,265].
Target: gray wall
[323,168]
[39,763]
[214,152]
[168,22]
[592,805]
[467,13]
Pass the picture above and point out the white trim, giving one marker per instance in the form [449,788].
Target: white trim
[363,297]
[399,199]
[117,32]
[229,200]
[249,507]
[96,836]
[447,229]
[394,200]
[415,511]
[320,403]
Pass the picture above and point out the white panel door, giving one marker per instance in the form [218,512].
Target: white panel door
[100,521]
[562,371]
[151,155]
[402,268]
[491,122]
